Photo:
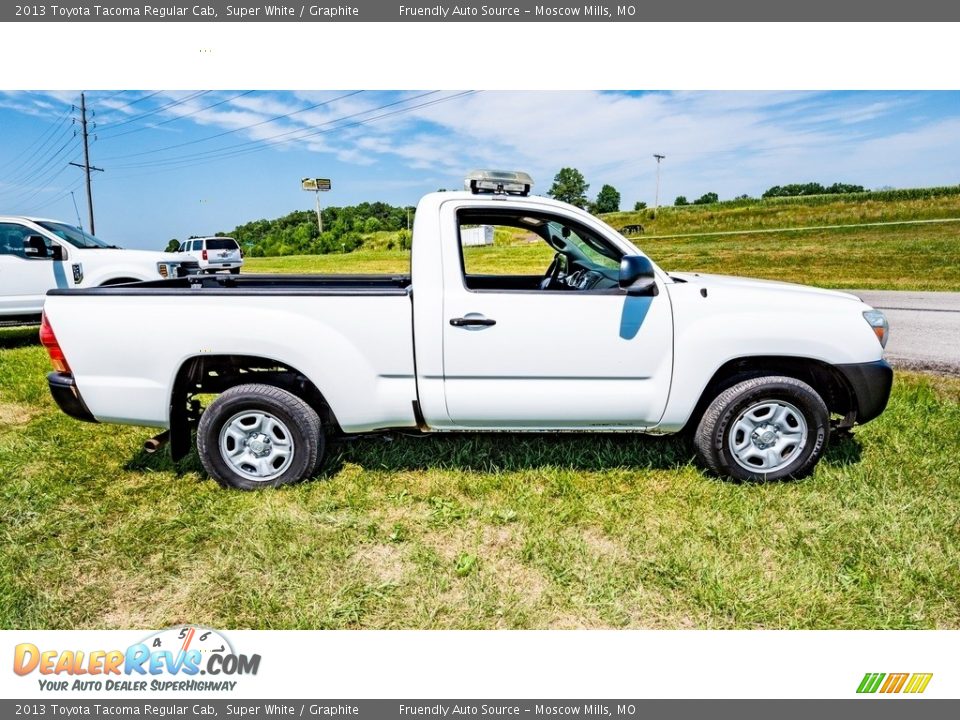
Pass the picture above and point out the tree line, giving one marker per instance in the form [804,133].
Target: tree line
[298,232]
[570,186]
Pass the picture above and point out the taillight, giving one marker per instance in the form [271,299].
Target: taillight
[204,254]
[49,341]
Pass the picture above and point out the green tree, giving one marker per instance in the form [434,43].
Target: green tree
[172,246]
[681,200]
[569,186]
[811,188]
[608,200]
[707,199]
[639,205]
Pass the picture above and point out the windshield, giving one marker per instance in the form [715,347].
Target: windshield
[590,248]
[73,235]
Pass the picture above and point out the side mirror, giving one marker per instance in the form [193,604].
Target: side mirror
[637,276]
[35,247]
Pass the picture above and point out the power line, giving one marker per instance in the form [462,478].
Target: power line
[178,117]
[189,161]
[109,126]
[41,156]
[46,184]
[44,135]
[113,95]
[297,133]
[235,130]
[138,100]
[38,174]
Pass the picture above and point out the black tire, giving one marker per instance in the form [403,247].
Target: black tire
[234,271]
[296,420]
[712,437]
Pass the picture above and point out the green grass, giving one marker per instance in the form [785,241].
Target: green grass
[477,531]
[922,257]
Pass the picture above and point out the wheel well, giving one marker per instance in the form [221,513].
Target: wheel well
[118,281]
[822,377]
[212,374]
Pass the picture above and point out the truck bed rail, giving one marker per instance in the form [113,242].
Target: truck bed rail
[256,284]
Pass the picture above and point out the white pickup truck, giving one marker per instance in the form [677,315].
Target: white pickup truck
[561,324]
[37,255]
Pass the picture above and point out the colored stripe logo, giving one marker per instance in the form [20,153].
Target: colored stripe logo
[913,683]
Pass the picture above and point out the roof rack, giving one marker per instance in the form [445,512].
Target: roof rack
[498,182]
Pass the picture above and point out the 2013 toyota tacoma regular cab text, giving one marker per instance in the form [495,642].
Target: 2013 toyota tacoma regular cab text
[601,340]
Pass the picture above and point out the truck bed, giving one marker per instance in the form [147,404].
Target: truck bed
[257,284]
[350,335]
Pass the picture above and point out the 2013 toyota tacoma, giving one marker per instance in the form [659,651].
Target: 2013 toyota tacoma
[599,339]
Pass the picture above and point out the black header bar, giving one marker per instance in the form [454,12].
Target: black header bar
[858,11]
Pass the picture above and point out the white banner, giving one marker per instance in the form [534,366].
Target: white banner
[471,664]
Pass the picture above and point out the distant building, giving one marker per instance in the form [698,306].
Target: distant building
[476,235]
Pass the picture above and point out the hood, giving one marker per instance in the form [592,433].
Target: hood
[740,283]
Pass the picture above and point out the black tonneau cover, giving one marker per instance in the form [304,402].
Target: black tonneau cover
[256,284]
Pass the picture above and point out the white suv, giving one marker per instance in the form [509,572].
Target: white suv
[214,253]
[37,255]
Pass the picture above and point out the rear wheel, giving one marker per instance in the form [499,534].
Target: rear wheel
[255,436]
[235,271]
[765,428]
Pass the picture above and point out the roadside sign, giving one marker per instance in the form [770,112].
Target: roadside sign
[316,184]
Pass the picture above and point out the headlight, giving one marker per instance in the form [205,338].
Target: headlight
[878,321]
[166,269]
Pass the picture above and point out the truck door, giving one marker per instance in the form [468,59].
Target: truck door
[537,333]
[25,278]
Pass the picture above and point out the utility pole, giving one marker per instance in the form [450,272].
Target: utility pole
[656,203]
[87,167]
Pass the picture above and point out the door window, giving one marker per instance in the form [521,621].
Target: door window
[515,250]
[11,239]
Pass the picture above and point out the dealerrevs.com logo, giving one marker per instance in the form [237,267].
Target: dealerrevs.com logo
[909,683]
[178,659]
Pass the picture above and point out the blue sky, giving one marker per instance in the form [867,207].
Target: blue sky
[180,163]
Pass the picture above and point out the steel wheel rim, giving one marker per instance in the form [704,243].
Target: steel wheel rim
[256,445]
[767,436]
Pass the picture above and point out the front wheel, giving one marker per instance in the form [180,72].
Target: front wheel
[255,436]
[764,428]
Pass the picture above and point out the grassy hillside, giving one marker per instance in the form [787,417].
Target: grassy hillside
[796,212]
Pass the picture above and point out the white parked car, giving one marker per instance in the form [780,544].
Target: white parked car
[600,339]
[214,254]
[37,255]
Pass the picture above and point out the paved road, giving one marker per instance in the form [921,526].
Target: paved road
[924,327]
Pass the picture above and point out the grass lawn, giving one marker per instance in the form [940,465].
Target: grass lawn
[477,531]
[856,257]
